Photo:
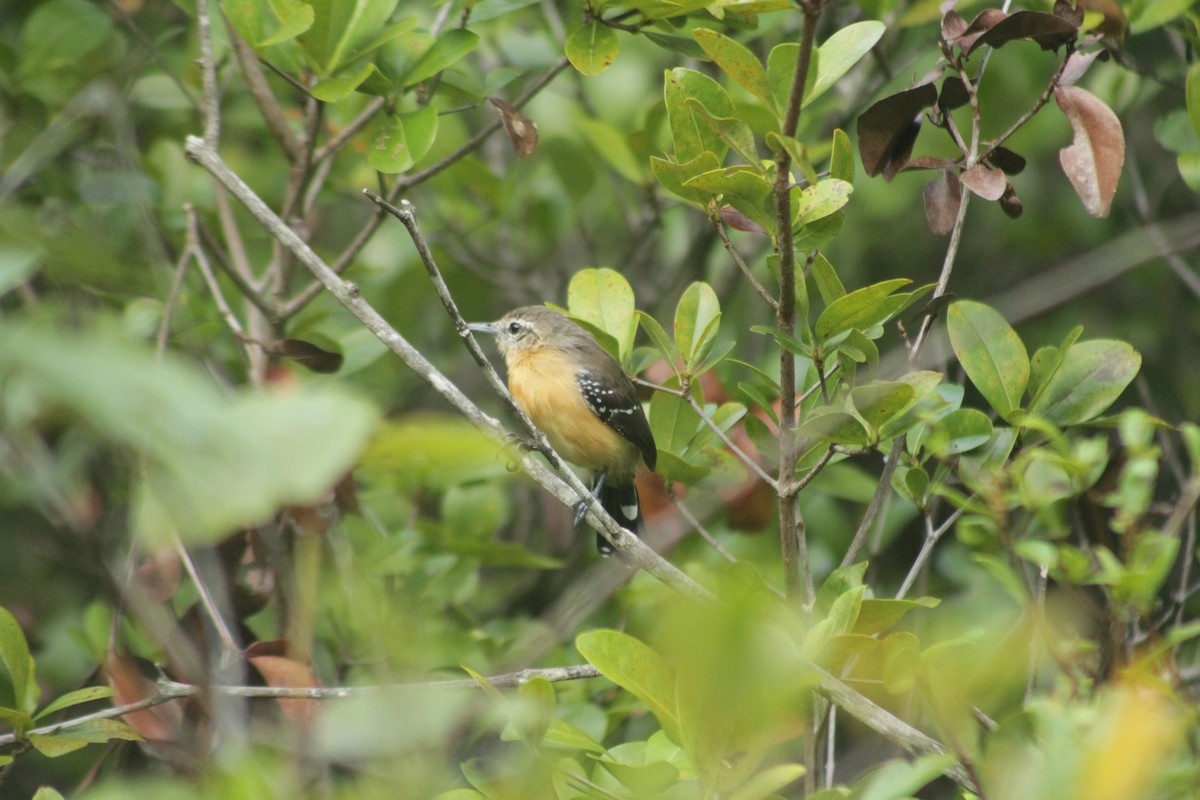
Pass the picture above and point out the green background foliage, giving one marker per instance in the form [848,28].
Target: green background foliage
[211,473]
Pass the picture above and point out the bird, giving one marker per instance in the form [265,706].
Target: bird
[581,399]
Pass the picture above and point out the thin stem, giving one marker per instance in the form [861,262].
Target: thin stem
[268,106]
[698,526]
[208,77]
[882,489]
[164,327]
[931,538]
[342,138]
[744,267]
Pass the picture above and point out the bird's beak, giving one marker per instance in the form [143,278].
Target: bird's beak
[483,327]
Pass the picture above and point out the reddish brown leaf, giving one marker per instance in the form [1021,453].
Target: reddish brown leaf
[984,181]
[521,130]
[979,26]
[1011,203]
[929,162]
[953,26]
[284,672]
[266,647]
[888,130]
[309,355]
[160,723]
[739,221]
[1094,160]
[1006,161]
[943,197]
[1049,31]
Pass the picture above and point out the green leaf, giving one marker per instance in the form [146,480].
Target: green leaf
[399,141]
[448,50]
[1092,375]
[332,90]
[14,654]
[690,136]
[674,177]
[737,61]
[17,263]
[781,71]
[1193,96]
[730,130]
[862,309]
[991,353]
[697,319]
[899,779]
[673,422]
[959,431]
[58,34]
[840,52]
[821,200]
[1046,361]
[592,48]
[637,669]
[603,298]
[841,162]
[674,468]
[836,427]
[901,657]
[294,18]
[768,782]
[85,695]
[45,792]
[879,402]
[744,188]
[878,614]
[94,731]
[341,29]
[829,285]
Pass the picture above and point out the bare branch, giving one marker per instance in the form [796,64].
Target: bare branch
[208,74]
[264,98]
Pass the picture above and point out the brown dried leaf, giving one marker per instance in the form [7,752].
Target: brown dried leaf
[521,130]
[984,181]
[1094,160]
[160,723]
[888,130]
[1006,161]
[1049,31]
[284,672]
[1011,203]
[309,355]
[943,197]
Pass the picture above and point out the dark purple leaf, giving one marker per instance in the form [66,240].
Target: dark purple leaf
[888,130]
[1011,203]
[943,196]
[1068,12]
[954,94]
[953,26]
[1006,161]
[979,26]
[1049,31]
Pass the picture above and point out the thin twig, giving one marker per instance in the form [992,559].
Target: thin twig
[882,489]
[164,327]
[699,528]
[744,267]
[340,140]
[208,75]
[264,98]
[209,278]
[931,538]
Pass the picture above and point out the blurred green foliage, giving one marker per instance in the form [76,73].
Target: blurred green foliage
[208,470]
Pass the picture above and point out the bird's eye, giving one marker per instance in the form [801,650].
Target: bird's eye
[514,328]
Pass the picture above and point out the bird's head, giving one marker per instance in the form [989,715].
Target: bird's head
[526,329]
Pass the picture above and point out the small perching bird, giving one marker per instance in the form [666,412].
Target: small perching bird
[581,398]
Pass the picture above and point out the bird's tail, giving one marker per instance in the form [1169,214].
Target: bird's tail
[621,501]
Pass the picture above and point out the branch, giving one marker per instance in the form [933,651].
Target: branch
[567,487]
[166,690]
[208,73]
[264,98]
